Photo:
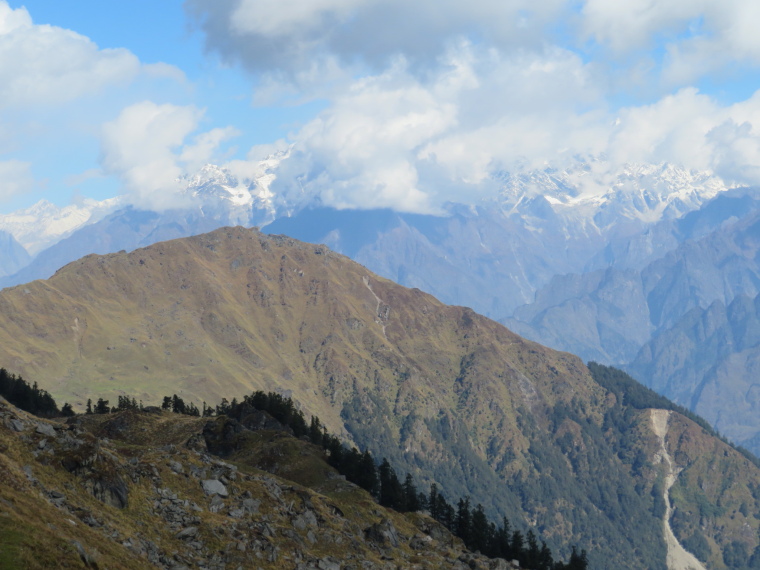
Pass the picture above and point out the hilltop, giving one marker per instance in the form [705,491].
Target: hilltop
[442,392]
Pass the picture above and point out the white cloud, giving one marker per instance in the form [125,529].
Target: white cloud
[277,35]
[15,178]
[56,87]
[428,99]
[700,36]
[41,64]
[205,146]
[145,147]
[397,140]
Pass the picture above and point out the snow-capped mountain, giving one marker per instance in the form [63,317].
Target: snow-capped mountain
[243,199]
[45,224]
[593,196]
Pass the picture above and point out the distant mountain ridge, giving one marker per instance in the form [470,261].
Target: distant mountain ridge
[584,260]
[443,392]
[566,217]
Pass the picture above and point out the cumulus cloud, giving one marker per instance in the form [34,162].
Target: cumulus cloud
[42,64]
[15,178]
[698,36]
[145,146]
[413,144]
[429,100]
[290,35]
[397,140]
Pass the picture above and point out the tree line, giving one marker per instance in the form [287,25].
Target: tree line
[464,520]
[30,398]
[468,522]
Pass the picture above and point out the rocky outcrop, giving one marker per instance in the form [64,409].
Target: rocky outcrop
[187,508]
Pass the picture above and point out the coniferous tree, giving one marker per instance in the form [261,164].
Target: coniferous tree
[391,491]
[411,496]
[433,503]
[516,545]
[89,406]
[167,403]
[178,405]
[102,406]
[447,513]
[31,399]
[67,411]
[532,550]
[315,431]
[545,559]
[463,521]
[480,533]
[502,540]
[366,476]
[223,408]
[578,561]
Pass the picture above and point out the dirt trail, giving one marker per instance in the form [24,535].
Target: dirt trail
[379,311]
[678,557]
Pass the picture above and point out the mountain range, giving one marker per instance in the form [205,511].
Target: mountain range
[585,456]
[595,263]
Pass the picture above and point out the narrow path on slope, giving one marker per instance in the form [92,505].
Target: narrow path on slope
[378,312]
[678,557]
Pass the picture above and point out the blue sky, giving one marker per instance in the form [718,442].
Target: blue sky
[382,103]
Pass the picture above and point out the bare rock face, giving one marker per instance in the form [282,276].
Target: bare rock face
[214,487]
[383,533]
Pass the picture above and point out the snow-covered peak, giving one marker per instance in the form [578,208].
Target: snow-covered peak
[241,189]
[44,223]
[213,183]
[603,196]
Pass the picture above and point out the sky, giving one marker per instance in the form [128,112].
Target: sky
[376,103]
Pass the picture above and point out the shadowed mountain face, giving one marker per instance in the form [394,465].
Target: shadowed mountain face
[683,321]
[485,258]
[444,393]
[12,254]
[709,361]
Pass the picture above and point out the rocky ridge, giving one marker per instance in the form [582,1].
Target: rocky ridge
[151,494]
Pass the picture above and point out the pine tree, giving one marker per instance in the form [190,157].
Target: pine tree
[463,521]
[432,501]
[367,474]
[178,405]
[391,491]
[411,496]
[532,551]
[516,545]
[89,406]
[545,559]
[315,431]
[480,534]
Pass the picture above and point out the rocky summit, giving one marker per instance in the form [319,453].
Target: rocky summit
[443,393]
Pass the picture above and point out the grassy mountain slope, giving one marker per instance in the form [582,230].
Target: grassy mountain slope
[442,392]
